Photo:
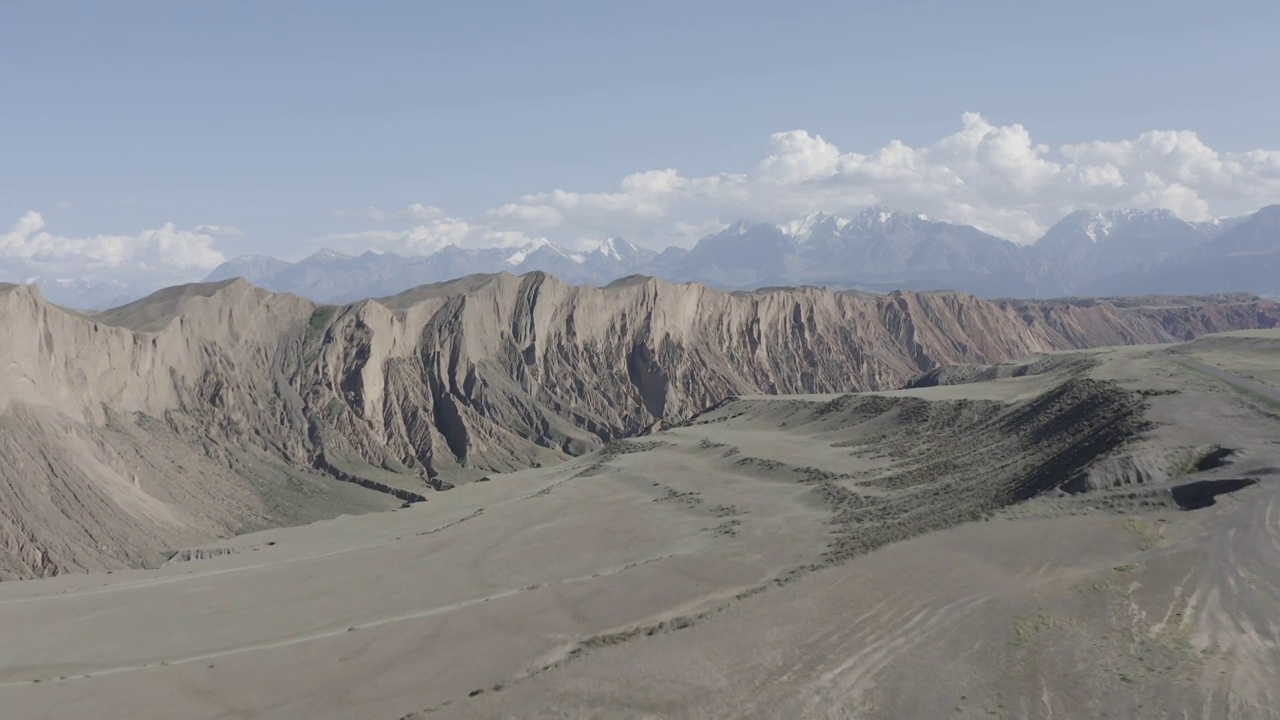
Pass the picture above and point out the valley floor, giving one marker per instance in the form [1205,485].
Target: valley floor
[1014,548]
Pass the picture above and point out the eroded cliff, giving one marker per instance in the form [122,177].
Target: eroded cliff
[209,409]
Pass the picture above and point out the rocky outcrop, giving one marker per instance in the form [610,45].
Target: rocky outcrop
[218,390]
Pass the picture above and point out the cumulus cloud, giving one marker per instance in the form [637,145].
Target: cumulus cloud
[996,177]
[165,252]
[539,215]
[423,239]
[797,157]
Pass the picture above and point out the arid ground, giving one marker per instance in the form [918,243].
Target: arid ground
[1079,535]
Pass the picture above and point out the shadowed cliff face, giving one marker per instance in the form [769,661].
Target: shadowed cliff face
[514,365]
[443,383]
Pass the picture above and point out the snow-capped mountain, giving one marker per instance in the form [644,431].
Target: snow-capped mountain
[548,257]
[1251,236]
[540,248]
[327,256]
[1087,252]
[883,245]
[741,255]
[331,276]
[1089,244]
[875,249]
[814,225]
[616,258]
[1243,257]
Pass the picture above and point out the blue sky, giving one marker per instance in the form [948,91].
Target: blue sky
[304,124]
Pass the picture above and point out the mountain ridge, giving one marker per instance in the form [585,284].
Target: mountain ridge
[1087,253]
[210,408]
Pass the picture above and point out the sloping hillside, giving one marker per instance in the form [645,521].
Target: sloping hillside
[208,409]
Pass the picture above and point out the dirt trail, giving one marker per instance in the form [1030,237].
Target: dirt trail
[1241,383]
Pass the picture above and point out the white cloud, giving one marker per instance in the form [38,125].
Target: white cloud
[418,211]
[414,211]
[540,215]
[799,156]
[424,238]
[63,205]
[163,253]
[995,177]
[223,230]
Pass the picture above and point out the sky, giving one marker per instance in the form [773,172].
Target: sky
[156,139]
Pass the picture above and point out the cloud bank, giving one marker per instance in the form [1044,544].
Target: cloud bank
[997,178]
[165,253]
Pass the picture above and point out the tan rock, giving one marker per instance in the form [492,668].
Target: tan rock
[208,409]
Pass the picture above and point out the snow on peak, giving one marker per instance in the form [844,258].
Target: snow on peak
[610,248]
[1098,227]
[868,218]
[803,228]
[1099,224]
[328,255]
[878,215]
[520,254]
[524,251]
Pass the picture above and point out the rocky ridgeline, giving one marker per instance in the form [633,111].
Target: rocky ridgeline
[186,414]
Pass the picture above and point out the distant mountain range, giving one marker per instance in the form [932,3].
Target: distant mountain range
[330,276]
[1087,253]
[88,294]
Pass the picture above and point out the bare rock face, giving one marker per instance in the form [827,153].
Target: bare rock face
[209,409]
